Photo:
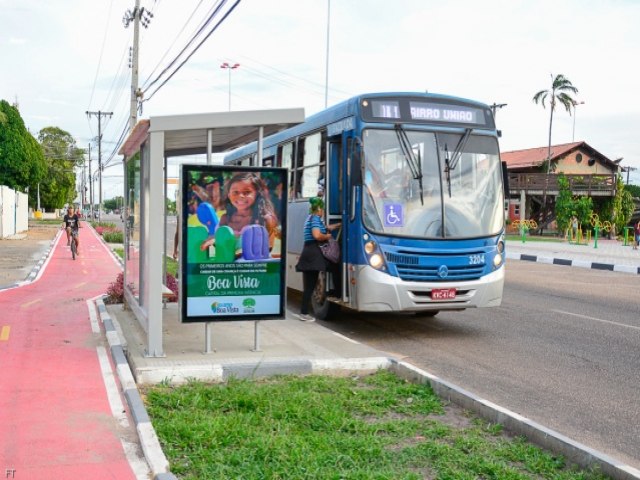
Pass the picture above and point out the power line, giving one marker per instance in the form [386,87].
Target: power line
[191,54]
[144,85]
[209,19]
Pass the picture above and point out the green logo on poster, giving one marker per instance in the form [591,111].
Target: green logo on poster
[249,302]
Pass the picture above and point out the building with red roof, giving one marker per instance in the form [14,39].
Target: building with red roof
[590,173]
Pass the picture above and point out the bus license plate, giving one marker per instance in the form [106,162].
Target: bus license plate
[443,294]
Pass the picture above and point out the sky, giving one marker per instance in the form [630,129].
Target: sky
[61,58]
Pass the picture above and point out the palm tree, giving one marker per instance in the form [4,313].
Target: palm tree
[560,85]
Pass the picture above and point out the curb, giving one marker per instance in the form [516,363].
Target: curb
[534,432]
[551,440]
[574,263]
[153,453]
[222,372]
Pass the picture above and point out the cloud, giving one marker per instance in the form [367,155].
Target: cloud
[17,41]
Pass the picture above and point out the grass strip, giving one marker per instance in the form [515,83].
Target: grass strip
[316,427]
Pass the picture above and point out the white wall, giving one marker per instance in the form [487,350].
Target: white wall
[22,212]
[14,212]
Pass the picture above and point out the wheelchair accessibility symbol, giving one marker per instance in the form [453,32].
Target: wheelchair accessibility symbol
[393,215]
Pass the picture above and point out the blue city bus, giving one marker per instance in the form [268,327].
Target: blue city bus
[417,183]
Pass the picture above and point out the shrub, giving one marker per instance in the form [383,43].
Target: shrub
[115,292]
[172,284]
[102,230]
[103,224]
[115,236]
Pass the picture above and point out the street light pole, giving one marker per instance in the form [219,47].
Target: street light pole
[229,67]
[573,134]
[326,75]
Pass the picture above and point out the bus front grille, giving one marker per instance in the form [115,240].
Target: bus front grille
[410,268]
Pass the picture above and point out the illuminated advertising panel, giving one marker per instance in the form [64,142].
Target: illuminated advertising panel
[232,243]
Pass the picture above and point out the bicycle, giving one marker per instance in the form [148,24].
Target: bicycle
[74,242]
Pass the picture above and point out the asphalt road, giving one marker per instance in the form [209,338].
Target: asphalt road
[563,350]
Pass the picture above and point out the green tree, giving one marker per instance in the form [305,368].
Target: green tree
[567,206]
[557,94]
[583,208]
[22,163]
[564,204]
[634,190]
[171,206]
[619,209]
[560,85]
[62,157]
[115,203]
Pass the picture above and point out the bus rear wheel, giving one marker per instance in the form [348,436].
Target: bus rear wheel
[322,308]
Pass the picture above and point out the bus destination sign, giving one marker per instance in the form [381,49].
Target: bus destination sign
[445,113]
[427,112]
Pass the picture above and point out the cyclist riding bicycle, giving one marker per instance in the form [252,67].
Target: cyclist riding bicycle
[70,223]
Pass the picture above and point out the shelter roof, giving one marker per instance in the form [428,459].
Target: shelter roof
[187,134]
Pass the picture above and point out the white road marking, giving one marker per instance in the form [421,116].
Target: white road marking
[137,462]
[345,338]
[93,316]
[113,394]
[597,319]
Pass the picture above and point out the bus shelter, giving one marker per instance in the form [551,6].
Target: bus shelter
[145,152]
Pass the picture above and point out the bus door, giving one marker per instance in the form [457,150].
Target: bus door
[334,182]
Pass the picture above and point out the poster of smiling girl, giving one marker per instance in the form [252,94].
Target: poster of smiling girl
[232,267]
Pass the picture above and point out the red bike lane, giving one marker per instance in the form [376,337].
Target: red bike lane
[55,417]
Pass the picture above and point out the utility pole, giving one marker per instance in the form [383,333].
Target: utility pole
[139,15]
[99,114]
[81,189]
[90,186]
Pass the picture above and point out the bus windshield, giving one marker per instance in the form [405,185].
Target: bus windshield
[456,192]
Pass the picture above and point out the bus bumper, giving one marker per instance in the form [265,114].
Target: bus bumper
[376,291]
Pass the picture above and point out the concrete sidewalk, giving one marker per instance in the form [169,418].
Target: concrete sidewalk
[610,255]
[285,346]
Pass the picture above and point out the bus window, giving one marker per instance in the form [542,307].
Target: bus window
[310,163]
[267,162]
[285,156]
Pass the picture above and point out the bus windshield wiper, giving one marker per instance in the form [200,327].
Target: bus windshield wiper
[452,163]
[415,164]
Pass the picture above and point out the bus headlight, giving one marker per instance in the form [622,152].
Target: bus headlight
[497,260]
[500,246]
[376,261]
[370,247]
